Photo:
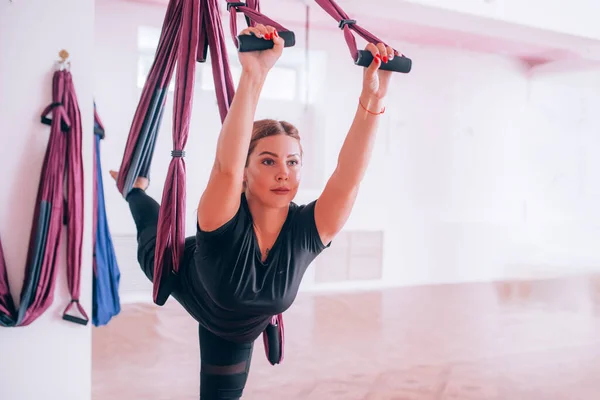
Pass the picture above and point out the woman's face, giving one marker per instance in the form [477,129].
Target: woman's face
[273,172]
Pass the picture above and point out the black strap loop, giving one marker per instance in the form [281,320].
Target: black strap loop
[71,318]
[345,22]
[235,4]
[48,121]
[178,153]
[99,132]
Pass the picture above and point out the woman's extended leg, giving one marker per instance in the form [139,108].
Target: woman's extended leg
[144,210]
[224,367]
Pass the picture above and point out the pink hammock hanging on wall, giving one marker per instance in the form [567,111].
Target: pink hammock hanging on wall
[190,29]
[62,169]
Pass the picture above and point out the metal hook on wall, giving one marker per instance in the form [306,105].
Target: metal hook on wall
[64,63]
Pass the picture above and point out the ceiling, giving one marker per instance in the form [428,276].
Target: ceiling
[423,25]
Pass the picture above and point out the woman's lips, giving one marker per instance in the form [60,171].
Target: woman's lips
[280,190]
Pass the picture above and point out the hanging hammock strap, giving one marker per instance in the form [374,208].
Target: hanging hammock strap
[141,141]
[363,58]
[246,43]
[106,302]
[62,167]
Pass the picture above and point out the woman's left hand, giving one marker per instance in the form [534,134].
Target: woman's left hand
[376,81]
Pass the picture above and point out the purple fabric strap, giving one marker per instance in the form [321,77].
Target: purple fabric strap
[252,11]
[171,217]
[63,159]
[333,9]
[158,79]
[212,31]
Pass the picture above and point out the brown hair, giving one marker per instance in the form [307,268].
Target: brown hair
[269,127]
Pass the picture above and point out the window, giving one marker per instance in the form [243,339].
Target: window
[285,81]
[281,83]
[148,39]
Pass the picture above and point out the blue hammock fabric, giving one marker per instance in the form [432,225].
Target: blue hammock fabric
[106,301]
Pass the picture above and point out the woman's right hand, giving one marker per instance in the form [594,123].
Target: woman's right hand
[262,61]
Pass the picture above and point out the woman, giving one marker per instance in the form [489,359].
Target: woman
[253,244]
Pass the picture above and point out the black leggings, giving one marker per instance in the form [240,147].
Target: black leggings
[224,365]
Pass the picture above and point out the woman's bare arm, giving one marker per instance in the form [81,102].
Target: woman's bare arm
[337,200]
[221,198]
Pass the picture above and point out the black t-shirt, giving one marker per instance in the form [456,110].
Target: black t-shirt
[235,293]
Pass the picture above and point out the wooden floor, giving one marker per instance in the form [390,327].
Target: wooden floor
[509,341]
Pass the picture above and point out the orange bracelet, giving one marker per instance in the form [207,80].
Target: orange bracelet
[371,112]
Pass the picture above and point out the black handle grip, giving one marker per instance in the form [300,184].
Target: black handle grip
[77,320]
[274,344]
[250,42]
[397,64]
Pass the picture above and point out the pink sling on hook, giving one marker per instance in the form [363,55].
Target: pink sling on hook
[63,161]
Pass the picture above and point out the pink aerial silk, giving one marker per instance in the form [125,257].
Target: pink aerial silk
[63,159]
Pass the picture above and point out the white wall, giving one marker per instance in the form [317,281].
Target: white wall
[576,17]
[480,171]
[50,358]
[495,173]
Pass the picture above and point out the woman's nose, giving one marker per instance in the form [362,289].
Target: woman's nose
[282,175]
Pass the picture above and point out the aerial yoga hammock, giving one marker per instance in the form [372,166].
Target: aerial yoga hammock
[190,29]
[106,301]
[63,159]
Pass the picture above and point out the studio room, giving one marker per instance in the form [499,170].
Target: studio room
[299,199]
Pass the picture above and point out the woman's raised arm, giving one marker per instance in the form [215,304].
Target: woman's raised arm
[335,203]
[221,198]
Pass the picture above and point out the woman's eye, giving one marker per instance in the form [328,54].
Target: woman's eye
[267,161]
[294,162]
